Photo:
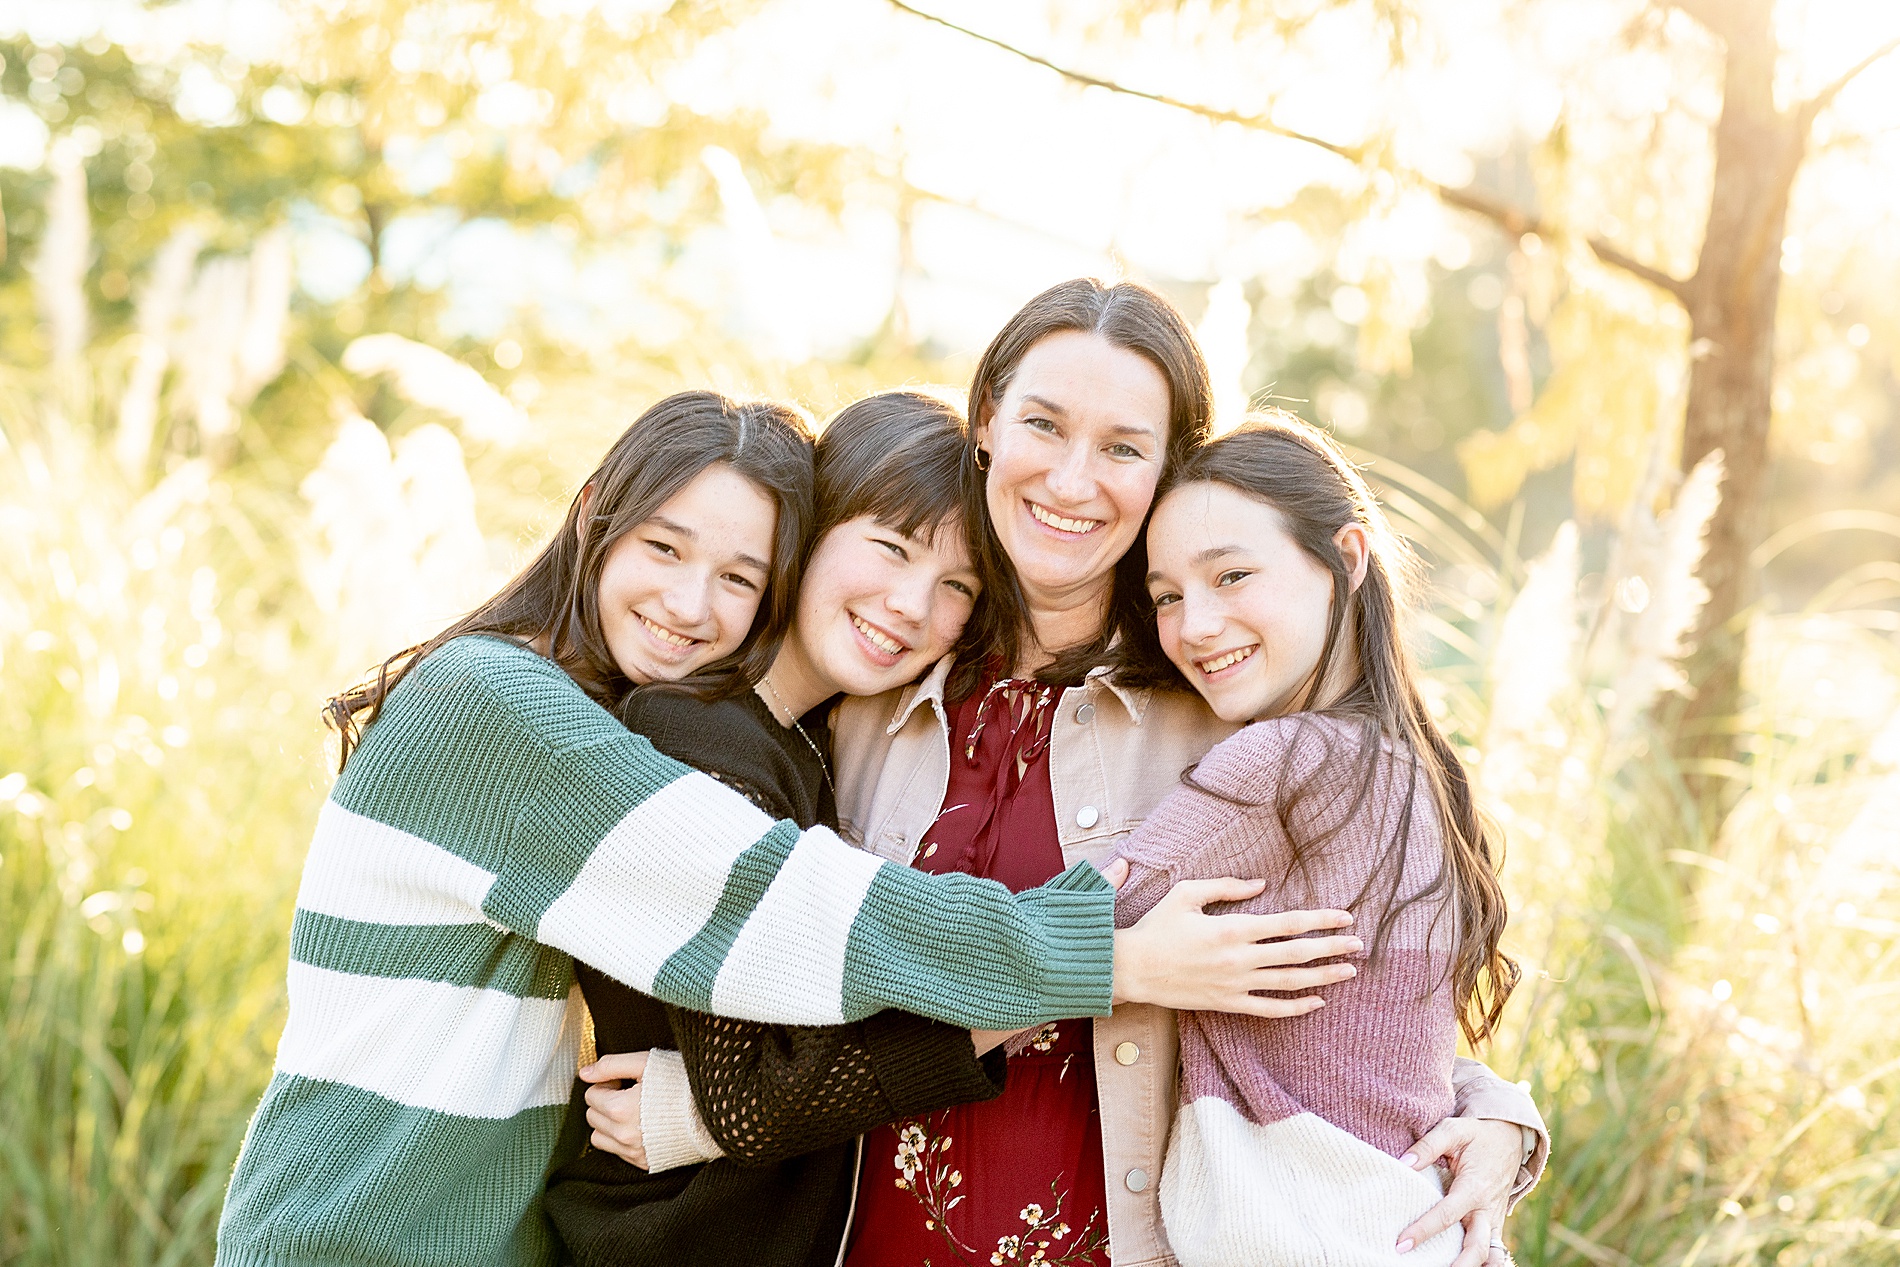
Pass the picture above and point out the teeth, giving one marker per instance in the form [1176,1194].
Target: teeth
[1058,522]
[1220,662]
[667,635]
[878,638]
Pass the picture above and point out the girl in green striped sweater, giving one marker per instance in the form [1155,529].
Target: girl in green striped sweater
[492,821]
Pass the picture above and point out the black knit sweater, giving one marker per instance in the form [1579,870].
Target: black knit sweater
[785,1102]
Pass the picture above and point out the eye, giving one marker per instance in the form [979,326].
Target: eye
[1041,424]
[895,549]
[1167,599]
[662,547]
[964,588]
[1232,576]
[1122,450]
[744,582]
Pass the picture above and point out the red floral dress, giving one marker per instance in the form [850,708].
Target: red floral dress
[1017,1179]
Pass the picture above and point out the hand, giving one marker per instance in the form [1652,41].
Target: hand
[1484,1157]
[613,1110]
[1181,957]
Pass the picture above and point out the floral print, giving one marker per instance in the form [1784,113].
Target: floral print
[925,1170]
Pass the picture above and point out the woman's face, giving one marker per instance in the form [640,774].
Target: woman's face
[1076,447]
[1241,608]
[680,590]
[877,608]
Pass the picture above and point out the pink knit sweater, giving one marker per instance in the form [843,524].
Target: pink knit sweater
[1286,1146]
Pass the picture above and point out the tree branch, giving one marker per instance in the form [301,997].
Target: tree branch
[1825,98]
[1351,154]
[1717,17]
[1513,220]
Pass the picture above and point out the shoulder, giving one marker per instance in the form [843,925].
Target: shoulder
[699,732]
[480,682]
[1265,757]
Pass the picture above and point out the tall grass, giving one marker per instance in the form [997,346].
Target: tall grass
[1709,1022]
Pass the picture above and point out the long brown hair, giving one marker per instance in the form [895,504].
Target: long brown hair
[557,596]
[1136,319]
[1278,460]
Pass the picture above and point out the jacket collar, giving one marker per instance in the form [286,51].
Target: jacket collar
[931,689]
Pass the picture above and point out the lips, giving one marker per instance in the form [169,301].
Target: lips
[666,637]
[881,644]
[1216,664]
[1061,523]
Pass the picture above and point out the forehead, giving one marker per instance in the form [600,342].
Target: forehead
[1088,378]
[722,512]
[1194,517]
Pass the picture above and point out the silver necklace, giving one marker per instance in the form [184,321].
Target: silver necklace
[823,765]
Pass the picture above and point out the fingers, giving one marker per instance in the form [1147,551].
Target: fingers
[1116,872]
[1477,1246]
[1280,924]
[1279,954]
[625,1064]
[1290,979]
[1201,893]
[1272,1009]
[1437,1144]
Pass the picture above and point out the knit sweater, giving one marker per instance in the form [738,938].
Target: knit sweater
[782,1103]
[1286,1147]
[495,822]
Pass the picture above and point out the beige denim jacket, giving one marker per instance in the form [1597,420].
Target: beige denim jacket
[1113,754]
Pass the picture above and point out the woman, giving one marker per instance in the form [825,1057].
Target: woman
[492,819]
[1041,758]
[1277,586]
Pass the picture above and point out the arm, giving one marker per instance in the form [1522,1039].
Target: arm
[1484,1095]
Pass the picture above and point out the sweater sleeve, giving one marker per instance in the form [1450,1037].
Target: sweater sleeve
[766,1093]
[677,886]
[1482,1094]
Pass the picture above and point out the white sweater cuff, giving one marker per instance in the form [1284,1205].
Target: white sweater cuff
[669,1120]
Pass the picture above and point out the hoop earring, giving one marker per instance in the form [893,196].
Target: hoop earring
[982,459]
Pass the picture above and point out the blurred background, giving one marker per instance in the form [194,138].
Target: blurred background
[314,312]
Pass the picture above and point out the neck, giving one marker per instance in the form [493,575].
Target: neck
[793,686]
[1059,621]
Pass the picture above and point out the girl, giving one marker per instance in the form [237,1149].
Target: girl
[492,819]
[1277,590]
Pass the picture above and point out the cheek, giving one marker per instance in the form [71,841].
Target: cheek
[1134,493]
[736,613]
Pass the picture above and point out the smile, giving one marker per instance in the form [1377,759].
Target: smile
[1225,660]
[878,638]
[1061,523]
[667,636]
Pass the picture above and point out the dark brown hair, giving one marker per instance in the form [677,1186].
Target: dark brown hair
[1132,317]
[558,594]
[901,457]
[1284,463]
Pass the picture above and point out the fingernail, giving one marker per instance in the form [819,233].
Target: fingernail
[1351,971]
[1405,1247]
[1357,946]
[1410,1159]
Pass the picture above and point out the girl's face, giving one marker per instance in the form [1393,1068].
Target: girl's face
[876,608]
[1241,608]
[680,590]
[1076,447]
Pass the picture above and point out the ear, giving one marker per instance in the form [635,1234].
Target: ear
[1355,548]
[584,515]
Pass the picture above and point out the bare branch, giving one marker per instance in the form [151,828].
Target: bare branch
[1517,222]
[1825,98]
[1351,154]
[1513,220]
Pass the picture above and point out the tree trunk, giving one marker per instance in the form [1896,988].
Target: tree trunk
[1732,301]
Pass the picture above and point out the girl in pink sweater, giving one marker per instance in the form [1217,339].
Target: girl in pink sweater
[1277,586]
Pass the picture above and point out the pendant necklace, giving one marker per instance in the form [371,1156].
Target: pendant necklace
[823,765]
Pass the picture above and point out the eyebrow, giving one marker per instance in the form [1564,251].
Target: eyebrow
[690,535]
[1206,556]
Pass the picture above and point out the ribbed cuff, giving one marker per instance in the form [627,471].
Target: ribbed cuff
[924,1065]
[669,1120]
[1075,913]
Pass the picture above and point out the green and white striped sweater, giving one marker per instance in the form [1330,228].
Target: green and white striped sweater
[496,822]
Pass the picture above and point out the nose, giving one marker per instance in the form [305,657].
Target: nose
[1072,479]
[909,598]
[689,599]
[1201,619]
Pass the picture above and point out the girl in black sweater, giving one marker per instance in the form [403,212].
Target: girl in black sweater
[888,586]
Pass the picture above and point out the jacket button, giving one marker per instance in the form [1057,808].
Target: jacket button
[1137,1180]
[1087,817]
[1126,1053]
[1085,714]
